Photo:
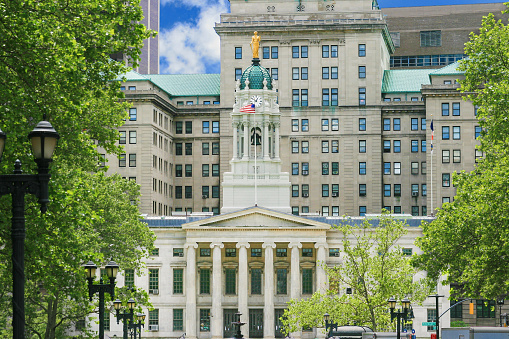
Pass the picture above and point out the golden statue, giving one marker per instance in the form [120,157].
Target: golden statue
[255,45]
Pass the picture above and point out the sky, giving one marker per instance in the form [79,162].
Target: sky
[188,43]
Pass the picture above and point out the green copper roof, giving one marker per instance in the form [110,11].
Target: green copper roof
[132,76]
[183,85]
[256,73]
[451,69]
[405,80]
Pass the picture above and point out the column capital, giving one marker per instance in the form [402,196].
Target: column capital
[191,244]
[321,244]
[269,244]
[219,244]
[295,244]
[243,244]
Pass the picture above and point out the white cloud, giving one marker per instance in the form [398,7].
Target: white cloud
[192,47]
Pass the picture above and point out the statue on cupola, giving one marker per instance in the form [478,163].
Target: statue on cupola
[256,177]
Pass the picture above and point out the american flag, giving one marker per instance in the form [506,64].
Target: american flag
[248,108]
[432,135]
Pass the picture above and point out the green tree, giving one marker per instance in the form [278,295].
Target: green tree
[373,267]
[469,240]
[55,61]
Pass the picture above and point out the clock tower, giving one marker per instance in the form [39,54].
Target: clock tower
[256,178]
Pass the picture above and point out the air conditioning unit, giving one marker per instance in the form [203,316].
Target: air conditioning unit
[334,194]
[153,327]
[336,254]
[204,196]
[305,172]
[415,194]
[153,291]
[305,195]
[362,194]
[397,194]
[181,254]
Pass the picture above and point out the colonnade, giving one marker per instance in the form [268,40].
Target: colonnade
[245,126]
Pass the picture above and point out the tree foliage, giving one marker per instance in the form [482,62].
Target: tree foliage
[469,240]
[55,61]
[374,268]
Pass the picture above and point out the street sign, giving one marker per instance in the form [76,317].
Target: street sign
[429,323]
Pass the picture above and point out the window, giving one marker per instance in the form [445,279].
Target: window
[397,146]
[415,190]
[387,190]
[256,281]
[305,168]
[333,72]
[281,252]
[423,146]
[215,170]
[204,252]
[446,180]
[362,96]
[295,168]
[215,148]
[325,146]
[362,146]
[274,52]
[305,147]
[325,51]
[325,168]
[205,127]
[325,72]
[362,190]
[397,209]
[129,278]
[325,190]
[178,319]
[230,252]
[423,167]
[132,114]
[362,50]
[478,155]
[307,252]
[362,168]
[397,190]
[334,124]
[406,252]
[204,320]
[295,73]
[334,252]
[456,311]
[204,170]
[334,51]
[122,138]
[456,156]
[396,123]
[122,160]
[178,148]
[303,51]
[304,73]
[446,156]
[153,317]
[295,52]
[304,100]
[132,137]
[485,308]
[362,124]
[325,124]
[423,124]
[446,200]
[335,168]
[205,190]
[415,146]
[325,97]
[189,148]
[387,168]
[189,127]
[415,211]
[132,160]
[334,96]
[256,252]
[445,109]
[362,72]
[362,211]
[266,52]
[304,124]
[238,52]
[431,38]
[189,192]
[238,73]
[295,147]
[415,168]
[178,192]
[153,281]
[215,191]
[387,146]
[281,281]
[305,190]
[456,132]
[424,191]
[230,281]
[335,190]
[387,124]
[477,131]
[189,170]
[205,148]
[414,124]
[274,72]
[334,146]
[455,108]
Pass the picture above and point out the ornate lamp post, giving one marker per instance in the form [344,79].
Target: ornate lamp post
[111,271]
[126,317]
[44,141]
[400,313]
[329,325]
[138,325]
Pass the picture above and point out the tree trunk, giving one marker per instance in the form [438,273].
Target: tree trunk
[52,317]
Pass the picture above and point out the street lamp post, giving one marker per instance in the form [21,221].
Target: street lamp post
[329,325]
[111,272]
[500,303]
[138,325]
[44,141]
[398,314]
[126,317]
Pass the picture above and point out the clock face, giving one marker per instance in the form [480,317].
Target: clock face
[256,100]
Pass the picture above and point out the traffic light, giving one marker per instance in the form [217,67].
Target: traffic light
[471,307]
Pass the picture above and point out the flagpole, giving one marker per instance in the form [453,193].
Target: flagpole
[431,155]
[254,138]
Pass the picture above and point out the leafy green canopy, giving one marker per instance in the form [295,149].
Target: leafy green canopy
[374,268]
[469,240]
[55,61]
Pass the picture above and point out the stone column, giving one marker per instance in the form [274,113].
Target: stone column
[243,282]
[216,323]
[235,141]
[246,140]
[295,286]
[268,309]
[266,140]
[321,275]
[191,311]
[276,141]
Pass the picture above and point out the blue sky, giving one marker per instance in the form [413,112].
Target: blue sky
[189,44]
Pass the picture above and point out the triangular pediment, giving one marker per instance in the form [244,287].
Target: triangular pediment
[256,217]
